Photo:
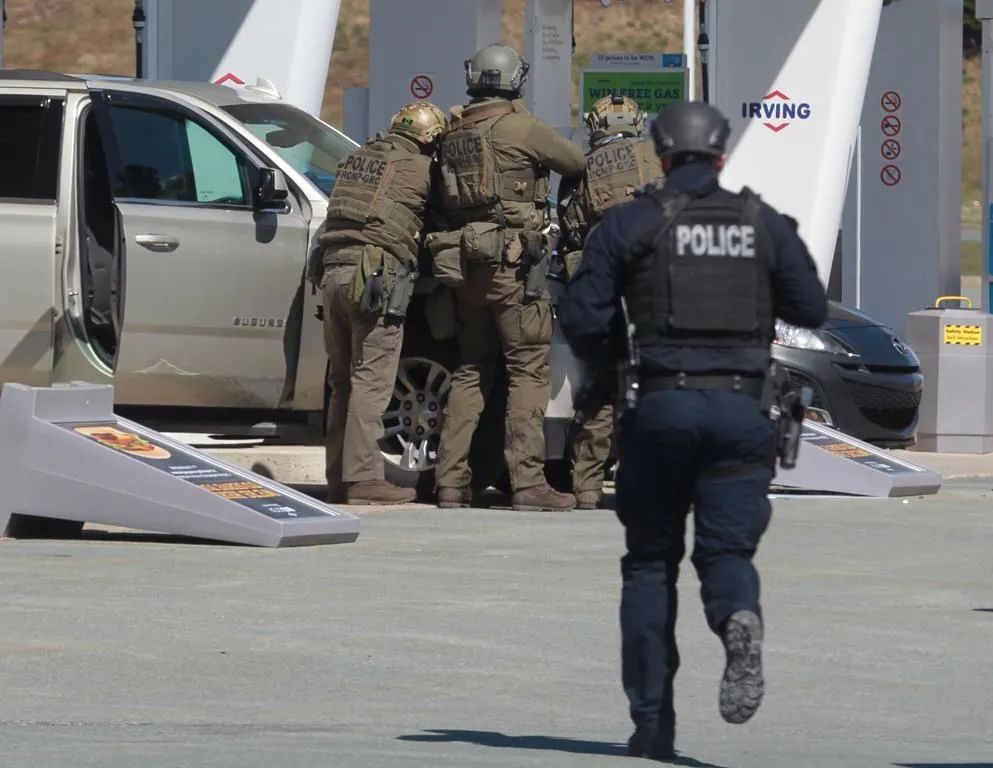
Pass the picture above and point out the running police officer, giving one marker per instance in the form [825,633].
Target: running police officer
[620,161]
[495,163]
[704,274]
[370,254]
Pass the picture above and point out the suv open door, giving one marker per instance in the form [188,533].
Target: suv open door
[214,246]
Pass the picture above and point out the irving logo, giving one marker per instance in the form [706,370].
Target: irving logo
[777,111]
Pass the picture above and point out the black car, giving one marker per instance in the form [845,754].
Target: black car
[866,381]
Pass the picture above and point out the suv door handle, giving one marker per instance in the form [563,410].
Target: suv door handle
[158,243]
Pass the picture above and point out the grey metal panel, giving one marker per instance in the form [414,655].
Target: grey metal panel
[49,468]
[833,462]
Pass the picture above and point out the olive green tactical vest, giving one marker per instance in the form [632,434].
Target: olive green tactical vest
[472,175]
[614,171]
[361,192]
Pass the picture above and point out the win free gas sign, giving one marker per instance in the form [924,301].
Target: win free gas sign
[651,89]
[776,111]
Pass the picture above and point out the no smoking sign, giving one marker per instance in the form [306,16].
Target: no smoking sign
[891,175]
[421,87]
[891,101]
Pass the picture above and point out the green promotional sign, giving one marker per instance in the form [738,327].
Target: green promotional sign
[651,89]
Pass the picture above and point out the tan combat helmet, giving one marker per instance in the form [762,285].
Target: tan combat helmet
[421,121]
[614,115]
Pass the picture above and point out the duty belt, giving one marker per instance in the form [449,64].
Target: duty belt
[749,385]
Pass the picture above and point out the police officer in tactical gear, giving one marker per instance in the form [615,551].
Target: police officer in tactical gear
[704,274]
[620,161]
[495,164]
[370,253]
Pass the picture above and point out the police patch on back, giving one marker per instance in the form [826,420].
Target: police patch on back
[366,169]
[730,240]
[463,149]
[613,158]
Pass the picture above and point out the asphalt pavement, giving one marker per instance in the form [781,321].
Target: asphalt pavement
[489,638]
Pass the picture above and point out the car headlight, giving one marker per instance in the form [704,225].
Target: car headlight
[808,338]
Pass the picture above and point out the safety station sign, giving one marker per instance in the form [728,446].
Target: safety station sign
[963,335]
[652,79]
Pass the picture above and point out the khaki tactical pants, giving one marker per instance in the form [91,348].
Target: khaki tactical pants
[493,318]
[590,451]
[363,355]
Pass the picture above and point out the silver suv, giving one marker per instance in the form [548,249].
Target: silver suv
[156,236]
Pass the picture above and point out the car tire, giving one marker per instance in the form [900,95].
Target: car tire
[423,379]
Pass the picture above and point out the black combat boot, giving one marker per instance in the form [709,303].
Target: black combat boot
[742,686]
[652,744]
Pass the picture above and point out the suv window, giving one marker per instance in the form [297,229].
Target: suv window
[30,134]
[310,146]
[167,156]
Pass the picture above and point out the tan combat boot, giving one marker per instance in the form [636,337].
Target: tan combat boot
[452,498]
[589,499]
[542,498]
[379,492]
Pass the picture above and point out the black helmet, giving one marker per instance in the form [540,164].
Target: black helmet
[690,127]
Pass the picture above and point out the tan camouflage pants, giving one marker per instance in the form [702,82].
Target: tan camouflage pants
[363,355]
[493,318]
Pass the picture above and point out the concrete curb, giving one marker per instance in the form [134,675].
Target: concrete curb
[952,466]
[304,464]
[286,464]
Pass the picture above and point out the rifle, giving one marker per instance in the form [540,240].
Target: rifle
[589,400]
[598,390]
[629,382]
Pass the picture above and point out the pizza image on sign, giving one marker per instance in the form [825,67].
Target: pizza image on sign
[127,442]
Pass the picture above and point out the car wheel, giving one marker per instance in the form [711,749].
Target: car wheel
[412,429]
[412,422]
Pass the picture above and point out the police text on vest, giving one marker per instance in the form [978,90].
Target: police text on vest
[716,240]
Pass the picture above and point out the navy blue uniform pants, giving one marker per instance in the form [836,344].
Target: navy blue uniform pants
[712,451]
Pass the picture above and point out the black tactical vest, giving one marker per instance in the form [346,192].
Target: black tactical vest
[706,280]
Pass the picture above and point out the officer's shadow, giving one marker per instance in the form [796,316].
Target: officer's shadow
[552,743]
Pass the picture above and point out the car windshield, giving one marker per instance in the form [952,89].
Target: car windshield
[307,144]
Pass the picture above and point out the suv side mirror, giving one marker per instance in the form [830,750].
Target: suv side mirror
[272,190]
